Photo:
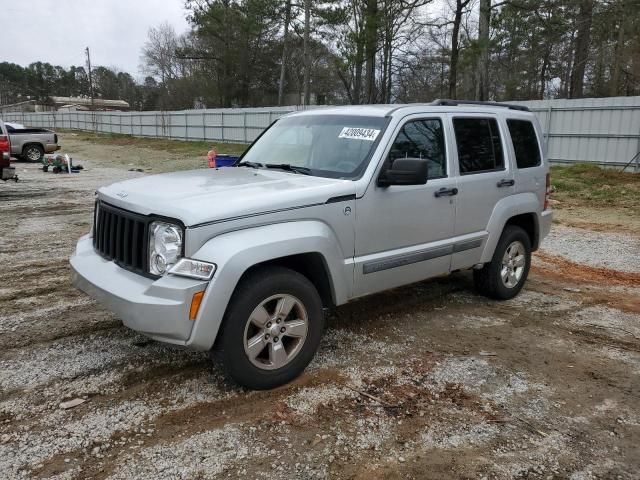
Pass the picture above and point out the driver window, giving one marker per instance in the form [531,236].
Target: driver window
[422,139]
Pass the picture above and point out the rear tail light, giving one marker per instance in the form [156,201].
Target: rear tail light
[5,147]
[547,191]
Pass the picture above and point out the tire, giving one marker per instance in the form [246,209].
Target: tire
[33,153]
[494,282]
[274,358]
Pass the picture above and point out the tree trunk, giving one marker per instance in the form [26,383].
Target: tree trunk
[618,56]
[482,74]
[581,52]
[387,40]
[453,60]
[543,74]
[307,63]
[285,38]
[357,83]
[383,82]
[371,44]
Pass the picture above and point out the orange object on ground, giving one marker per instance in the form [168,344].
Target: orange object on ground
[211,158]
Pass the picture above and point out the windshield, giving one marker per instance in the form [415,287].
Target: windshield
[337,146]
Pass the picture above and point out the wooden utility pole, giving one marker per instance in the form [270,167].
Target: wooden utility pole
[90,78]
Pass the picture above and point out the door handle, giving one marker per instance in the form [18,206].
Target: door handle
[446,192]
[506,183]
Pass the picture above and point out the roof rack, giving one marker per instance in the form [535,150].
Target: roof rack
[445,102]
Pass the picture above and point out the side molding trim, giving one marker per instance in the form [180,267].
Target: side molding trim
[420,256]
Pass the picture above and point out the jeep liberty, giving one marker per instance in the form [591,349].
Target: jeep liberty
[326,205]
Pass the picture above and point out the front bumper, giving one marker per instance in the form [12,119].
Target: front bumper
[158,308]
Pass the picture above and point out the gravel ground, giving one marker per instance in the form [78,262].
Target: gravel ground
[610,250]
[428,381]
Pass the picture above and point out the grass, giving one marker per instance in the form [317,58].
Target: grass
[195,148]
[594,187]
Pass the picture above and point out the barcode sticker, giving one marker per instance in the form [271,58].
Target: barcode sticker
[356,133]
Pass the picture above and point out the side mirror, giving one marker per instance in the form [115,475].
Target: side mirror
[405,171]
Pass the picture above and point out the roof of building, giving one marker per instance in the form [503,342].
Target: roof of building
[98,102]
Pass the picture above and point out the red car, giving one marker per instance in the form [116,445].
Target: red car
[6,170]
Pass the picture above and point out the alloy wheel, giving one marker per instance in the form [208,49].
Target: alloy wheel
[275,332]
[513,264]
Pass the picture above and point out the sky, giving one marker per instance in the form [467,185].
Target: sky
[58,31]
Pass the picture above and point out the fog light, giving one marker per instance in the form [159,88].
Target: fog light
[187,267]
[158,264]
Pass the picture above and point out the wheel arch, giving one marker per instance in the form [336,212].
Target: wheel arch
[310,264]
[307,247]
[30,144]
[521,210]
[529,223]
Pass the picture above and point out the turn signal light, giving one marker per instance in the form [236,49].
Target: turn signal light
[195,305]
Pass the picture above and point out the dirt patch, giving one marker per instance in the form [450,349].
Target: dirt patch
[561,267]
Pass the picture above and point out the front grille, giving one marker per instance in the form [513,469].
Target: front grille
[121,236]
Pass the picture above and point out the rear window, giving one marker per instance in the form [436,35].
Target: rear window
[479,146]
[525,143]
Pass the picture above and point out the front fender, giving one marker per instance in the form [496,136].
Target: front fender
[505,209]
[235,252]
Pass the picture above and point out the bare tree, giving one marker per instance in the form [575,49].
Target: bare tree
[453,61]
[285,39]
[159,52]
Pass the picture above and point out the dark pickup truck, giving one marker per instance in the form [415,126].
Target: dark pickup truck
[31,143]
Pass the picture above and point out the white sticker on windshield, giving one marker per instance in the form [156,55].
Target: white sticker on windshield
[357,133]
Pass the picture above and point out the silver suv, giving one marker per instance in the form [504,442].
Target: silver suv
[324,207]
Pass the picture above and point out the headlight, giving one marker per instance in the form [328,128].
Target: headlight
[186,267]
[165,246]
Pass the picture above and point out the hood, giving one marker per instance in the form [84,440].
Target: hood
[201,196]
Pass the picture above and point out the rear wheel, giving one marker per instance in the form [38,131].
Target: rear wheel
[33,153]
[272,328]
[505,275]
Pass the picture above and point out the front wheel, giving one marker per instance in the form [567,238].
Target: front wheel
[272,328]
[505,275]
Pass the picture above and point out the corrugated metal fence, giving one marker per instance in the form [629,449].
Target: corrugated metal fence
[233,125]
[605,131]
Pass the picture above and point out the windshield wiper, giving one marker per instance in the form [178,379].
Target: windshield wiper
[290,168]
[250,164]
